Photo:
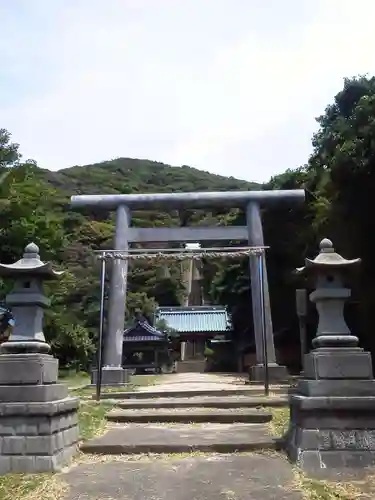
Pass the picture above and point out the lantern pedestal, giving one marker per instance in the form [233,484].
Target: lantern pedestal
[332,409]
[331,432]
[38,420]
[332,412]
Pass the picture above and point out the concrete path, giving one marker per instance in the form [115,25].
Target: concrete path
[215,477]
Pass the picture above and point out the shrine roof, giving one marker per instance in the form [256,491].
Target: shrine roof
[195,319]
[142,331]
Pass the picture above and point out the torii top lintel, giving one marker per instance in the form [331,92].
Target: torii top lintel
[233,199]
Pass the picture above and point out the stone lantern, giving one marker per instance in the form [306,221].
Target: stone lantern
[332,409]
[27,302]
[330,295]
[38,420]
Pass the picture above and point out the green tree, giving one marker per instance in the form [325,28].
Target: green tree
[343,168]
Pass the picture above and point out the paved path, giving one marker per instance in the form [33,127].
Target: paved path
[215,477]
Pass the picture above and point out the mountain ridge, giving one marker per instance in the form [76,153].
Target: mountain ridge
[135,175]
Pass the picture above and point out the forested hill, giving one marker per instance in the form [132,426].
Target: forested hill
[127,175]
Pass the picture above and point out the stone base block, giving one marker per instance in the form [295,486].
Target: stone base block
[344,363]
[20,369]
[33,393]
[191,366]
[111,376]
[37,437]
[318,462]
[331,432]
[336,388]
[26,464]
[276,373]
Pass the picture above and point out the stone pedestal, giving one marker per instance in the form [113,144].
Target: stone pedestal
[111,376]
[276,373]
[38,420]
[331,432]
[332,411]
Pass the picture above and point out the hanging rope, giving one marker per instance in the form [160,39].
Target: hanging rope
[162,256]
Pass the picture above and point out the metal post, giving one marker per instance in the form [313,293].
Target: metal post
[101,329]
[263,324]
[301,308]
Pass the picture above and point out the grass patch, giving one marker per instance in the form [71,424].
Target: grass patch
[91,418]
[313,489]
[280,421]
[32,487]
[136,381]
[73,378]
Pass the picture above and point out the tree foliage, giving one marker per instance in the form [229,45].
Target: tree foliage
[339,179]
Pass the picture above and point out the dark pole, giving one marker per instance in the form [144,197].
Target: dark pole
[301,308]
[101,330]
[263,323]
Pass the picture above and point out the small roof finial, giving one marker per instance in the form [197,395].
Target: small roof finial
[326,245]
[31,251]
[31,248]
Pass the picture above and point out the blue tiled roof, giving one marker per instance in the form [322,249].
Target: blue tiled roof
[195,318]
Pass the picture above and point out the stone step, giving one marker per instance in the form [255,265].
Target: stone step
[190,415]
[180,438]
[249,391]
[204,402]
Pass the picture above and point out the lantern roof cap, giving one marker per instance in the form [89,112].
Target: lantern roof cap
[30,264]
[327,259]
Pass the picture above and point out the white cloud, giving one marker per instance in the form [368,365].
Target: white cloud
[223,85]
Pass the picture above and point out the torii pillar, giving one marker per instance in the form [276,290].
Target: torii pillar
[256,239]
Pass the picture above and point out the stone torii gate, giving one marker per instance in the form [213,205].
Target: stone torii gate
[251,201]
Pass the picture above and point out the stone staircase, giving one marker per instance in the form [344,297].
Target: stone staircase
[178,418]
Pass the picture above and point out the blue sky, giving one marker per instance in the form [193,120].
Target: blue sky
[228,86]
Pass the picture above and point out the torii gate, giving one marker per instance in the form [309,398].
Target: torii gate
[251,201]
